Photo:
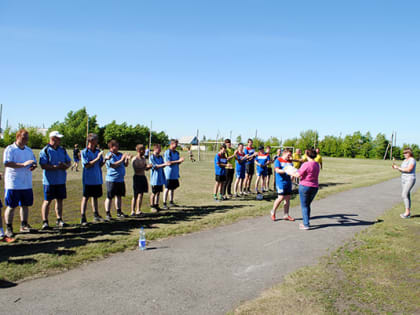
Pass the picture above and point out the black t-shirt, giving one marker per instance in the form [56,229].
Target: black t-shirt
[76,153]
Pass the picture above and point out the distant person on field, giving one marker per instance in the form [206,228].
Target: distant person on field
[297,162]
[284,184]
[318,158]
[308,186]
[269,168]
[278,154]
[3,236]
[250,165]
[147,153]
[220,163]
[172,158]
[262,160]
[140,184]
[19,162]
[157,177]
[92,162]
[54,161]
[116,162]
[230,170]
[408,179]
[241,159]
[76,158]
[190,153]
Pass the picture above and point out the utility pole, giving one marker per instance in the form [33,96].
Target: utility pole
[1,116]
[230,135]
[392,144]
[150,135]
[87,130]
[198,146]
[256,134]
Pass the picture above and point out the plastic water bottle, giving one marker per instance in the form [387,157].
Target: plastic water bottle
[142,239]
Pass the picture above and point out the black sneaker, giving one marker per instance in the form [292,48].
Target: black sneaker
[153,209]
[165,207]
[108,217]
[45,227]
[9,232]
[83,221]
[25,228]
[121,215]
[172,204]
[60,223]
[98,218]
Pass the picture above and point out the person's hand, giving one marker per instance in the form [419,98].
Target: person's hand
[149,165]
[181,159]
[33,166]
[1,176]
[28,163]
[394,166]
[168,164]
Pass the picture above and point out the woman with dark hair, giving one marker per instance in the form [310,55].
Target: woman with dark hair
[308,185]
[408,179]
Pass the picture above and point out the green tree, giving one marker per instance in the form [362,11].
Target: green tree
[308,139]
[239,139]
[379,146]
[273,141]
[290,142]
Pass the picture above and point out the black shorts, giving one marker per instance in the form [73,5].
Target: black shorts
[250,169]
[157,189]
[270,171]
[115,189]
[220,178]
[52,192]
[140,184]
[172,184]
[94,191]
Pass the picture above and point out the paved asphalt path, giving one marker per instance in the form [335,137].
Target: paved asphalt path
[208,272]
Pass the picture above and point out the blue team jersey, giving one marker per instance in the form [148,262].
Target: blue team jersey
[281,164]
[171,171]
[117,174]
[91,175]
[51,156]
[250,151]
[262,158]
[157,175]
[218,159]
[240,161]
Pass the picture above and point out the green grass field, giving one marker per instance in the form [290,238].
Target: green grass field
[377,272]
[44,253]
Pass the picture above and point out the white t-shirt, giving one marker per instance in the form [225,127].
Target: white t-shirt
[18,178]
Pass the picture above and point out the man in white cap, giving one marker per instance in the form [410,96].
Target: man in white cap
[54,161]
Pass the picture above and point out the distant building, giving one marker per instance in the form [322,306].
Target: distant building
[189,140]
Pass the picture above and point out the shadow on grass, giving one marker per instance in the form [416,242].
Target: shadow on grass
[344,220]
[63,242]
[6,284]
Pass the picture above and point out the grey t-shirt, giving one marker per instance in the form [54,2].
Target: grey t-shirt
[406,163]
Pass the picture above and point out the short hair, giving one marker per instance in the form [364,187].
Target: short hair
[223,146]
[21,132]
[174,141]
[250,140]
[112,143]
[409,151]
[156,145]
[287,150]
[268,146]
[139,147]
[311,153]
[240,143]
[227,140]
[91,137]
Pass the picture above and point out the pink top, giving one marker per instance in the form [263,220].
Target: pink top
[309,173]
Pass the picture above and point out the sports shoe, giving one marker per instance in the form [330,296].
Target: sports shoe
[303,227]
[404,216]
[7,239]
[83,221]
[165,207]
[288,218]
[60,223]
[154,209]
[108,217]
[121,215]
[45,227]
[172,204]
[9,232]
[98,218]
[25,228]
[273,215]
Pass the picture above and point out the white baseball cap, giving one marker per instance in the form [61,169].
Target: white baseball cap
[56,134]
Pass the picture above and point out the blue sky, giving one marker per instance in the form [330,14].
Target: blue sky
[219,66]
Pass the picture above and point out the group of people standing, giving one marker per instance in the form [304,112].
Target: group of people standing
[20,162]
[304,169]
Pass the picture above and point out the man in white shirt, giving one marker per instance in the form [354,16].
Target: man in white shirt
[19,162]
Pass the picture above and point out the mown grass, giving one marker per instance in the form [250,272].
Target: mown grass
[42,253]
[378,272]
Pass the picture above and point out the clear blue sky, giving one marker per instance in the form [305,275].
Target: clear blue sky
[277,66]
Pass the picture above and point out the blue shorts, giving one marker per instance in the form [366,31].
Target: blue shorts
[263,172]
[19,197]
[284,188]
[240,173]
[77,160]
[52,192]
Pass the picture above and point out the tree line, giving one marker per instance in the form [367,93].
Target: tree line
[74,130]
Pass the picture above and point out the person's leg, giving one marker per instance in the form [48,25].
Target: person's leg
[216,187]
[8,215]
[407,185]
[267,182]
[157,199]
[139,202]
[83,206]
[165,195]
[134,203]
[249,183]
[257,183]
[95,207]
[276,204]
[235,186]
[118,203]
[108,205]
[59,209]
[152,200]
[171,195]
[241,185]
[286,205]
[230,181]
[45,209]
[303,190]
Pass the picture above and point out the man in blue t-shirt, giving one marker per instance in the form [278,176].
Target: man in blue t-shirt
[171,156]
[92,162]
[54,161]
[157,177]
[250,166]
[220,163]
[116,162]
[284,184]
[262,160]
